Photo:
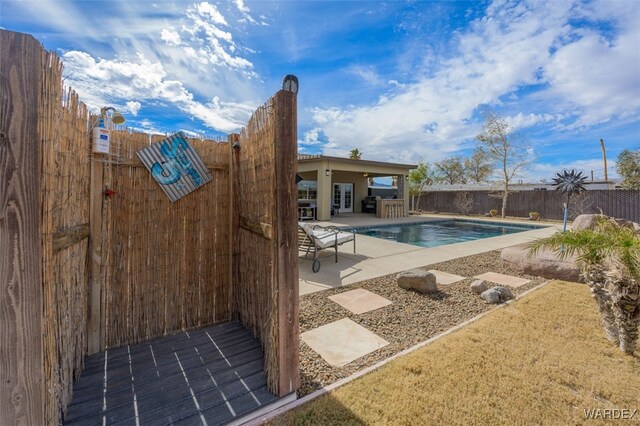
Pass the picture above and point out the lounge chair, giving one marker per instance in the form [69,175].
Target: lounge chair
[317,237]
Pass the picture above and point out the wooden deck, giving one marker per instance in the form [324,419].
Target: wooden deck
[208,376]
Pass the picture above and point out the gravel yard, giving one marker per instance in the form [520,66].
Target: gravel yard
[410,319]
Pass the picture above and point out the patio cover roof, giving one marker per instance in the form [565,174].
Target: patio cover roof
[350,164]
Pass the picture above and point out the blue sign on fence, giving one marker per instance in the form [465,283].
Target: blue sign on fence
[175,165]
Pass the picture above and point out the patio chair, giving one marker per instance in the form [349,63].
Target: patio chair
[317,238]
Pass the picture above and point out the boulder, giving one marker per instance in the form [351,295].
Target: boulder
[505,293]
[585,221]
[624,223]
[418,280]
[491,296]
[478,286]
[544,264]
[588,221]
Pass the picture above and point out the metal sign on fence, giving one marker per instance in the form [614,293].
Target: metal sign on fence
[175,165]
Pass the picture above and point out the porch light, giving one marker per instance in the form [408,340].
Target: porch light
[290,83]
[327,172]
[365,174]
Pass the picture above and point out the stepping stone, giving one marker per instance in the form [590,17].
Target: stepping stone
[445,278]
[342,341]
[360,300]
[503,279]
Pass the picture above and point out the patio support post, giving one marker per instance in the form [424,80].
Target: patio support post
[324,193]
[405,193]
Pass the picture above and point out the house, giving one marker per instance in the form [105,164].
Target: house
[340,185]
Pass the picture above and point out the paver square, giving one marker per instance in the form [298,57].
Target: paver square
[360,300]
[503,279]
[342,341]
[445,278]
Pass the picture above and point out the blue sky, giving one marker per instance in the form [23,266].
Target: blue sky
[399,80]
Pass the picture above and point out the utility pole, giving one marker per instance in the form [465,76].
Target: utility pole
[604,158]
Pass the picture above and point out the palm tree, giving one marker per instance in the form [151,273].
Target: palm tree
[569,183]
[355,154]
[609,258]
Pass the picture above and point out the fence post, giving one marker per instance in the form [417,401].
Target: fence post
[95,341]
[21,296]
[286,162]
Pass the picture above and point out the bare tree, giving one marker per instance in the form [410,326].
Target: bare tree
[628,167]
[478,167]
[506,148]
[451,170]
[463,202]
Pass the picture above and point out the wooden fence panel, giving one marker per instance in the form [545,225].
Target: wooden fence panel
[21,303]
[265,237]
[166,265]
[620,203]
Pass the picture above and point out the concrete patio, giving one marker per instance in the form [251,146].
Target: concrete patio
[376,257]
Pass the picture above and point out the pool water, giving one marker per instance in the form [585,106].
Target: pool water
[439,233]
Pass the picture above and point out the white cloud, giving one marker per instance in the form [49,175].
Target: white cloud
[430,117]
[102,82]
[241,6]
[514,56]
[202,40]
[522,121]
[311,138]
[210,12]
[171,37]
[133,107]
[366,73]
[599,78]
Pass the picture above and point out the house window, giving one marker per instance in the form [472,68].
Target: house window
[308,190]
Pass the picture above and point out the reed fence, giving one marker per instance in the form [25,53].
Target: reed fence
[83,269]
[165,265]
[265,233]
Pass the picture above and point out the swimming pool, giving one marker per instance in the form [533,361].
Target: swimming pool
[441,232]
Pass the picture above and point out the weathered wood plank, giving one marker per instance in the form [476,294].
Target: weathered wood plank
[95,334]
[286,149]
[21,348]
[70,236]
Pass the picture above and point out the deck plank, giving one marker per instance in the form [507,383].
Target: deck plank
[214,373]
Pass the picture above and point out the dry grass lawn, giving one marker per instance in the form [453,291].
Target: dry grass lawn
[541,360]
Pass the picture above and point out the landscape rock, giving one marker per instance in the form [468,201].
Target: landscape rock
[491,296]
[505,293]
[418,280]
[479,286]
[585,221]
[544,264]
[624,223]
